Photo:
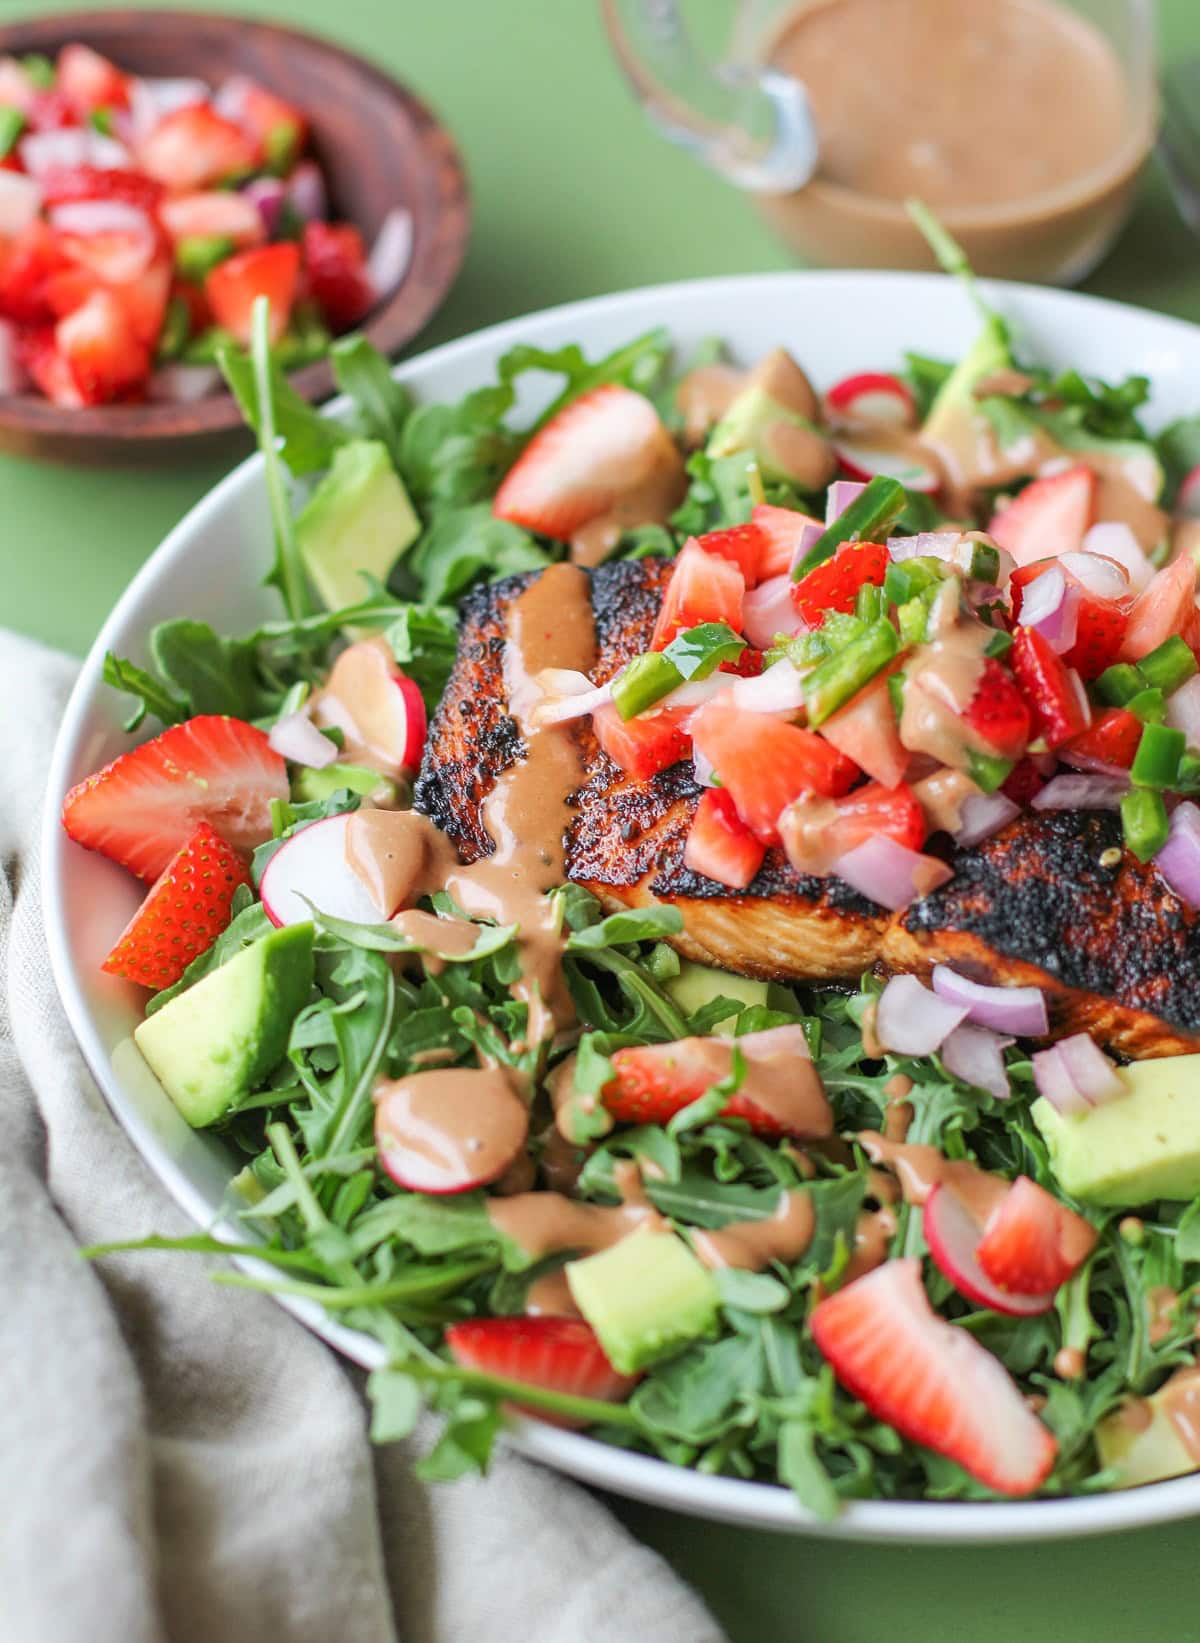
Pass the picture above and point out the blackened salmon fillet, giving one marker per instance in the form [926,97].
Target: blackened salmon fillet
[1117,954]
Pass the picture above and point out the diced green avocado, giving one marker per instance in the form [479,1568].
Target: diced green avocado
[311,786]
[646,1297]
[358,519]
[1140,1147]
[1142,1451]
[699,984]
[744,427]
[218,1039]
[954,407]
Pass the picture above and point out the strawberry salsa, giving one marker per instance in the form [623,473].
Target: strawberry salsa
[894,1242]
[139,220]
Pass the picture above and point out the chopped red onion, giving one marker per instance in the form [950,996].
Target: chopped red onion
[977,1057]
[151,99]
[1082,792]
[1090,1070]
[704,770]
[1080,760]
[809,534]
[389,258]
[229,99]
[889,873]
[1183,710]
[695,692]
[296,739]
[1096,574]
[911,1020]
[267,195]
[20,201]
[176,384]
[767,611]
[779,690]
[1017,1010]
[12,373]
[44,151]
[306,191]
[1056,1084]
[925,545]
[983,814]
[564,698]
[101,217]
[1179,858]
[841,493]
[1113,540]
[1051,606]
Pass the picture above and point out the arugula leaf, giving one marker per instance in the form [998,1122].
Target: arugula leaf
[153,696]
[213,674]
[461,543]
[288,574]
[307,440]
[619,929]
[383,404]
[424,641]
[458,453]
[925,376]
[1178,447]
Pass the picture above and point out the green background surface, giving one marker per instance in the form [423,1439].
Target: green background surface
[573,196]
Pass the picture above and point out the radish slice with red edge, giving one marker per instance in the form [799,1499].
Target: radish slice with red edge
[953,1236]
[1187,498]
[861,460]
[296,739]
[1082,792]
[841,494]
[873,396]
[910,1020]
[311,867]
[983,814]
[976,1055]
[1179,858]
[890,873]
[1020,1011]
[449,1130]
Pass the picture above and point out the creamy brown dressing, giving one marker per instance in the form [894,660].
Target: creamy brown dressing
[919,1169]
[900,1112]
[362,700]
[651,488]
[780,1083]
[463,1123]
[805,455]
[548,1223]
[399,855]
[752,1245]
[439,938]
[940,684]
[806,830]
[1069,1363]
[1180,1398]
[704,395]
[942,796]
[1161,1302]
[550,1296]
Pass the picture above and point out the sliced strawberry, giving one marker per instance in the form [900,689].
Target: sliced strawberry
[835,584]
[952,1231]
[873,809]
[194,147]
[652,1082]
[1023,783]
[215,213]
[764,763]
[930,1380]
[102,350]
[234,285]
[1050,517]
[646,744]
[1058,706]
[704,587]
[88,80]
[279,126]
[66,185]
[743,546]
[865,731]
[17,90]
[719,844]
[1111,739]
[782,529]
[144,806]
[335,261]
[1032,1243]
[583,460]
[50,372]
[1101,622]
[557,1354]
[184,913]
[998,713]
[1166,607]
[28,261]
[51,111]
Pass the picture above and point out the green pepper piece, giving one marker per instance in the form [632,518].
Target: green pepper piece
[1144,821]
[198,254]
[177,324]
[1150,706]
[913,618]
[831,684]
[282,147]
[1169,665]
[644,681]
[40,70]
[1119,684]
[1156,762]
[1189,773]
[870,603]
[101,120]
[896,694]
[984,564]
[999,644]
[700,650]
[12,124]
[867,518]
[906,578]
[987,770]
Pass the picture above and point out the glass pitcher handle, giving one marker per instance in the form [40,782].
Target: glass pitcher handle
[752,125]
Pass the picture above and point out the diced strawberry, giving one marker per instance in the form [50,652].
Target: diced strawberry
[1166,607]
[581,462]
[1049,517]
[644,745]
[746,666]
[48,369]
[234,285]
[719,844]
[764,763]
[65,185]
[194,147]
[703,587]
[216,213]
[276,123]
[1101,622]
[144,806]
[1023,782]
[931,1380]
[27,263]
[835,584]
[872,809]
[865,730]
[781,528]
[102,350]
[652,1082]
[743,546]
[1032,1243]
[1053,693]
[335,261]
[556,1354]
[1111,739]
[184,913]
[115,256]
[51,111]
[88,80]
[998,713]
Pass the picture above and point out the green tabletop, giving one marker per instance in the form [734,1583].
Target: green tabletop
[574,196]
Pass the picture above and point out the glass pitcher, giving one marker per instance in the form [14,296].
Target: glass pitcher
[1024,124]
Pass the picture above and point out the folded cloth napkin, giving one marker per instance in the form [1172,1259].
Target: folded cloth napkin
[186,1463]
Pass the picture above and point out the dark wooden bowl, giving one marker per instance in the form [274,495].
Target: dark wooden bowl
[377,143]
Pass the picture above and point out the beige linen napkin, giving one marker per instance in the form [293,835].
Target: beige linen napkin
[186,1464]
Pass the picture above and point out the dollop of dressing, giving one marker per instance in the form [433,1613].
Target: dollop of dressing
[362,700]
[752,1245]
[919,1169]
[440,1130]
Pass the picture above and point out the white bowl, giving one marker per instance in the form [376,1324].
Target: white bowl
[211,566]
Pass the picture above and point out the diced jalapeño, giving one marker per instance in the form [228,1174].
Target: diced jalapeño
[1168,666]
[834,681]
[868,518]
[1156,762]
[1144,820]
[644,681]
[1119,684]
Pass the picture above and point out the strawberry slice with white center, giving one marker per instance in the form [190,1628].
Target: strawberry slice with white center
[1032,1243]
[764,764]
[1049,517]
[930,1380]
[597,449]
[144,806]
[556,1354]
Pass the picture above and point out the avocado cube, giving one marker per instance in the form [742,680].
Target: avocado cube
[699,984]
[358,519]
[1142,1450]
[213,1043]
[312,786]
[646,1297]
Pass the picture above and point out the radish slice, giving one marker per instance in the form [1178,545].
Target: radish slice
[1017,1010]
[296,739]
[20,201]
[1187,500]
[976,1055]
[1183,710]
[312,868]
[768,611]
[357,700]
[1179,858]
[841,494]
[449,1130]
[983,814]
[953,1236]
[873,396]
[779,690]
[306,192]
[12,373]
[1083,792]
[911,1020]
[1112,540]
[418,723]
[864,461]
[391,254]
[176,384]
[889,873]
